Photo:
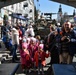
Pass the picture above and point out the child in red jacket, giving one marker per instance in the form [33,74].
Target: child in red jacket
[39,58]
[26,61]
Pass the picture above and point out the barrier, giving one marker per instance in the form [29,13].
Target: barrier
[8,69]
[63,69]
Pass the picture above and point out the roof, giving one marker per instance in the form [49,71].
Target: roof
[66,2]
[9,2]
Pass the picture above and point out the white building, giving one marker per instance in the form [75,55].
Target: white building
[26,8]
[59,16]
[29,10]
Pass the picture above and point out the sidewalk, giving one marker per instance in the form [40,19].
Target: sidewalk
[5,54]
[46,69]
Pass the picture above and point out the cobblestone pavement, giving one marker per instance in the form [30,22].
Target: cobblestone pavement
[6,58]
[34,71]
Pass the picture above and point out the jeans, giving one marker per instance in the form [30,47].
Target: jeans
[40,66]
[14,52]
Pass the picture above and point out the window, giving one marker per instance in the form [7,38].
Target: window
[25,5]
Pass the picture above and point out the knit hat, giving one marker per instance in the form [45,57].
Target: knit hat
[24,45]
[24,40]
[41,46]
[33,39]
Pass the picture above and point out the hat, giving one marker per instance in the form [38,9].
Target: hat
[58,24]
[41,46]
[7,30]
[24,40]
[13,29]
[30,26]
[24,45]
[20,23]
[33,39]
[28,39]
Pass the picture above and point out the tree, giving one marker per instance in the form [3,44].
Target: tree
[5,19]
[54,21]
[36,14]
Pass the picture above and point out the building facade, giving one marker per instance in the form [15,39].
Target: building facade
[25,8]
[59,16]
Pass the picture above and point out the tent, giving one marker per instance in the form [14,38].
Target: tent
[18,17]
[13,15]
[22,18]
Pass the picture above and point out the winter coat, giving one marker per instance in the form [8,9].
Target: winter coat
[15,36]
[43,56]
[25,58]
[32,49]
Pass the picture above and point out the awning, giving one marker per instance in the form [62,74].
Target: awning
[22,18]
[18,17]
[13,15]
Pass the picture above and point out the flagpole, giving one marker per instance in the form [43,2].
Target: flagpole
[37,4]
[37,11]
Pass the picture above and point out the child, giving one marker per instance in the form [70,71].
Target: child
[32,47]
[25,58]
[39,58]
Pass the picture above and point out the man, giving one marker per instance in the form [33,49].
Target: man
[67,41]
[15,43]
[30,31]
[52,46]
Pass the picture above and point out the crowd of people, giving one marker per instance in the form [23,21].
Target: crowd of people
[59,44]
[16,38]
